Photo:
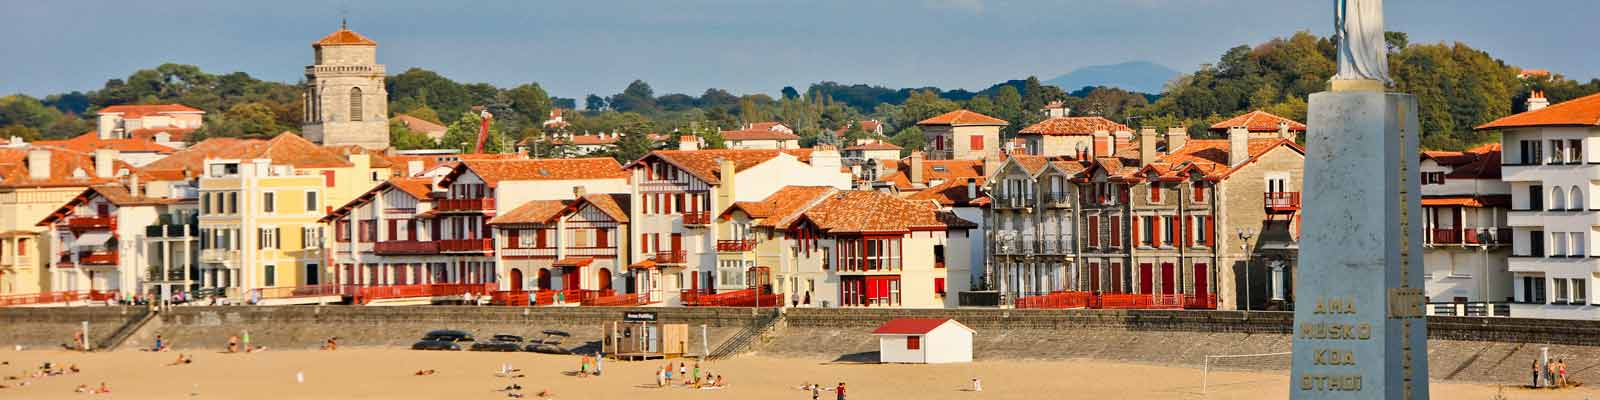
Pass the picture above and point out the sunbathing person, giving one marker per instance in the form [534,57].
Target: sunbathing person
[424,372]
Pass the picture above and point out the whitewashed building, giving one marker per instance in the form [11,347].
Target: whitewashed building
[924,341]
[1464,206]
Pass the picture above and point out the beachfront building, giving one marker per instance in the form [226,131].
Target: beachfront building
[100,240]
[962,135]
[1031,239]
[1464,206]
[676,193]
[1550,171]
[378,240]
[36,180]
[259,205]
[819,246]
[576,246]
[968,199]
[924,341]
[762,136]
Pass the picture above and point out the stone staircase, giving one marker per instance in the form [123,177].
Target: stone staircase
[756,331]
[127,330]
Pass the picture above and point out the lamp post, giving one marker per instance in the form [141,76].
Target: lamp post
[1484,237]
[1244,246]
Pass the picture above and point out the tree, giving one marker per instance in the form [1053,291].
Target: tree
[635,141]
[1008,106]
[922,105]
[18,131]
[594,103]
[403,138]
[462,135]
[982,105]
[789,93]
[431,89]
[909,139]
[637,97]
[853,133]
[530,102]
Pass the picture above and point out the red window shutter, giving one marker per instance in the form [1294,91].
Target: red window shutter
[977,142]
[1134,231]
[1155,232]
[644,243]
[1188,239]
[1155,192]
[1094,231]
[1122,195]
[539,238]
[601,239]
[511,239]
[938,285]
[1116,231]
[1199,192]
[393,231]
[1211,231]
[327,177]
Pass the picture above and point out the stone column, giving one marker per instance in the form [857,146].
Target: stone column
[1358,329]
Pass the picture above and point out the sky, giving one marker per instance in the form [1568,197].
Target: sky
[574,48]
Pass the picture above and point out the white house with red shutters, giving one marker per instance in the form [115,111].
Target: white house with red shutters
[924,341]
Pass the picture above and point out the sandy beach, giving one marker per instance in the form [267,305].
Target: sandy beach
[388,374]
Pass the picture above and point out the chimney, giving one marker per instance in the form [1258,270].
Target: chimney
[1177,136]
[106,125]
[1124,139]
[39,164]
[133,184]
[103,165]
[688,143]
[1056,109]
[1284,132]
[972,188]
[1100,146]
[578,191]
[726,170]
[916,168]
[1536,101]
[1238,145]
[1147,146]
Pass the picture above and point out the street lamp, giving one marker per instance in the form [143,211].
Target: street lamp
[1244,246]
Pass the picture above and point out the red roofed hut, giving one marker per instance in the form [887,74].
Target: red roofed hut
[924,341]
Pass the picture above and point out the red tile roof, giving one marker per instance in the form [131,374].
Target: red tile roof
[947,170]
[703,164]
[1210,156]
[135,111]
[284,149]
[174,134]
[1582,111]
[1481,162]
[963,118]
[495,171]
[1258,121]
[1500,200]
[910,326]
[91,141]
[950,194]
[115,193]
[1073,126]
[344,37]
[874,146]
[546,211]
[782,207]
[401,162]
[862,211]
[63,162]
[417,188]
[419,124]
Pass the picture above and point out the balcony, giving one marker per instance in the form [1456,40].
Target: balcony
[466,245]
[405,247]
[736,245]
[1469,236]
[1444,236]
[85,223]
[697,218]
[464,205]
[87,258]
[1058,200]
[669,257]
[1281,202]
[172,230]
[218,255]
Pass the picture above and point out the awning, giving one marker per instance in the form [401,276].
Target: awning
[1466,201]
[92,239]
[646,264]
[574,262]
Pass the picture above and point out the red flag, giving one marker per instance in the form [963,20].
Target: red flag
[483,130]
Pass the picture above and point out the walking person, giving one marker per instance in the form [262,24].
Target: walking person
[1535,373]
[839,390]
[1561,373]
[247,348]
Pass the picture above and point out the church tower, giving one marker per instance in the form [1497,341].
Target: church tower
[345,102]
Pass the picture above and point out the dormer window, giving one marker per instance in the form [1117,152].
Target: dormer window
[940,168]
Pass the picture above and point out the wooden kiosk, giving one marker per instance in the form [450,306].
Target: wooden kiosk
[639,336]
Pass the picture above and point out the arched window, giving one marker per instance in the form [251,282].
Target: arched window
[1575,199]
[355,104]
[1558,199]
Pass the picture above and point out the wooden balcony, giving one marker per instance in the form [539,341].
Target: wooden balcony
[405,247]
[466,245]
[670,257]
[736,245]
[87,258]
[88,223]
[464,205]
[1060,300]
[697,218]
[1281,202]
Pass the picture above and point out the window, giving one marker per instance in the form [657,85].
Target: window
[1575,199]
[355,104]
[1199,192]
[369,228]
[1558,199]
[267,238]
[1433,178]
[1577,244]
[233,202]
[1170,233]
[267,203]
[311,237]
[827,260]
[313,275]
[1533,289]
[1536,243]
[1578,294]
[1560,290]
[1155,192]
[1150,230]
[1558,244]
[1536,197]
[311,201]
[341,230]
[1116,231]
[977,142]
[1532,152]
[1574,151]
[1094,231]
[1558,151]
[524,238]
[1277,182]
[205,203]
[938,286]
[271,272]
[913,342]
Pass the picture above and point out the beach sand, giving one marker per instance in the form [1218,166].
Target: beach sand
[388,374]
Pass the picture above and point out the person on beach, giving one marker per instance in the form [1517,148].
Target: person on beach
[696,373]
[233,344]
[977,385]
[583,367]
[683,370]
[1561,373]
[332,344]
[103,389]
[247,348]
[669,374]
[839,390]
[1535,373]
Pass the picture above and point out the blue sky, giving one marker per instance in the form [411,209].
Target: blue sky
[573,48]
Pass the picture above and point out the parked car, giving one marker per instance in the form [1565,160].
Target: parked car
[499,343]
[551,343]
[443,339]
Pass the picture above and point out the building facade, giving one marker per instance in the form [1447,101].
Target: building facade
[1464,205]
[962,135]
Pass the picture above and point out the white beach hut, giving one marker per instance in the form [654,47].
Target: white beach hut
[924,341]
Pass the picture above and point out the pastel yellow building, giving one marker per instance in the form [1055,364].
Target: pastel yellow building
[34,181]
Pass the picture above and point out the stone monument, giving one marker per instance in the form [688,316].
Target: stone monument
[1359,330]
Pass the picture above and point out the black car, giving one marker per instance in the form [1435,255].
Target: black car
[550,344]
[499,343]
[443,339]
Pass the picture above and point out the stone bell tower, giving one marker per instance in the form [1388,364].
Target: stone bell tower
[345,102]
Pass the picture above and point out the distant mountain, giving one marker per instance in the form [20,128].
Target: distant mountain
[1138,76]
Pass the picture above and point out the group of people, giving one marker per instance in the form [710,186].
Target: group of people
[695,379]
[45,370]
[234,343]
[1554,373]
[591,365]
[817,389]
[103,389]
